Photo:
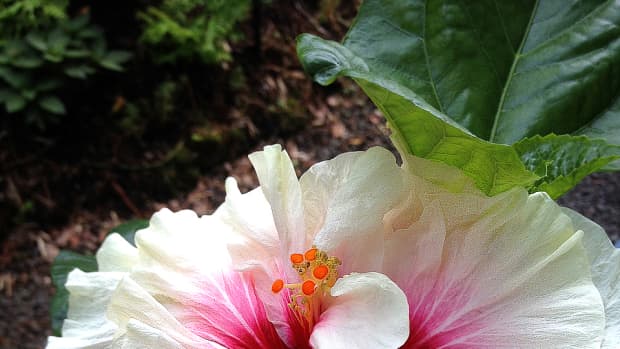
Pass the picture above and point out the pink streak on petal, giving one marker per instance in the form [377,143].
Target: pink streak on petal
[227,311]
[432,320]
[295,333]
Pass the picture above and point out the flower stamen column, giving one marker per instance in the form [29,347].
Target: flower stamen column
[318,273]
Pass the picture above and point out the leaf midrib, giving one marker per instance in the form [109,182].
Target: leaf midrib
[511,72]
[428,64]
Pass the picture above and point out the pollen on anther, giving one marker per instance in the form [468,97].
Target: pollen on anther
[320,272]
[277,286]
[308,287]
[297,258]
[310,254]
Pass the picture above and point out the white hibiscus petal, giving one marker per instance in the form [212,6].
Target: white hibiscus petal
[367,310]
[177,249]
[345,200]
[605,267]
[131,302]
[86,325]
[141,336]
[281,188]
[413,255]
[249,218]
[511,272]
[116,254]
[182,240]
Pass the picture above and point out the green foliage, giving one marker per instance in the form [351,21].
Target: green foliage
[193,29]
[156,110]
[19,15]
[35,66]
[66,261]
[563,160]
[460,81]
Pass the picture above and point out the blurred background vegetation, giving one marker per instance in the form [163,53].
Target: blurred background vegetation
[102,101]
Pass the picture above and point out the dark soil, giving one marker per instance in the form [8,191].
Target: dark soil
[77,201]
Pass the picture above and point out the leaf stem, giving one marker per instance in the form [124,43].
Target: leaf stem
[511,72]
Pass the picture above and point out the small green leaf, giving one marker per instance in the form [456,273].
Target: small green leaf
[28,62]
[89,33]
[48,85]
[79,72]
[65,262]
[15,78]
[37,41]
[53,105]
[15,48]
[128,229]
[29,94]
[58,41]
[77,53]
[53,57]
[15,103]
[562,161]
[5,94]
[113,60]
[78,22]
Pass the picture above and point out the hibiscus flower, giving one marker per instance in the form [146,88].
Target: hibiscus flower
[307,281]
[357,253]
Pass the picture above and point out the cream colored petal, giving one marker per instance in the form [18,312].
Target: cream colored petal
[280,186]
[345,200]
[605,267]
[248,217]
[177,249]
[414,255]
[367,311]
[511,271]
[86,325]
[131,302]
[141,336]
[116,254]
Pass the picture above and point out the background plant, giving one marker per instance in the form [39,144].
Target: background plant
[23,15]
[193,29]
[37,62]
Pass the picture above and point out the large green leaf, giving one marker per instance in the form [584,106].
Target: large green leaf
[502,70]
[63,264]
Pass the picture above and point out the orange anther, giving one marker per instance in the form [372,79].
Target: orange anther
[297,258]
[310,254]
[277,286]
[308,287]
[320,272]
